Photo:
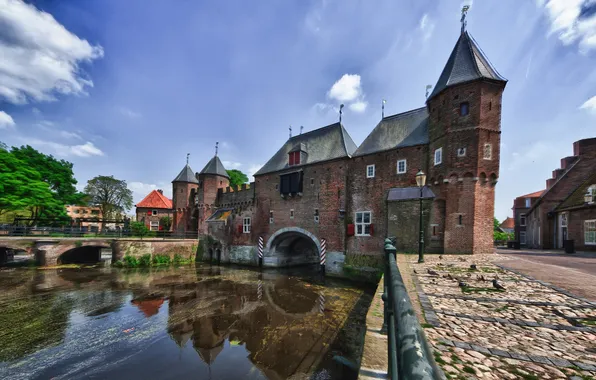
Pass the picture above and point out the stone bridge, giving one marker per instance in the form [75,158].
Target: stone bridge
[55,251]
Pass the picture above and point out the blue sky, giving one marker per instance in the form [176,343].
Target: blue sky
[127,88]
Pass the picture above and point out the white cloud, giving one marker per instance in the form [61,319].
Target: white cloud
[426,26]
[6,121]
[589,104]
[359,106]
[252,169]
[39,56]
[141,189]
[532,153]
[569,24]
[346,89]
[129,113]
[231,164]
[83,150]
[70,135]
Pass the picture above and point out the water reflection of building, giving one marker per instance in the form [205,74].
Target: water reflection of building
[149,306]
[283,332]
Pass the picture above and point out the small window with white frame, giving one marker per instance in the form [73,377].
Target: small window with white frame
[590,232]
[363,222]
[522,237]
[154,212]
[401,166]
[370,171]
[316,215]
[154,226]
[591,194]
[291,213]
[488,152]
[438,156]
[522,220]
[461,152]
[246,225]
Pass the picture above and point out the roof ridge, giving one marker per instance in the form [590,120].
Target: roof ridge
[553,185]
[403,113]
[485,57]
[471,48]
[314,130]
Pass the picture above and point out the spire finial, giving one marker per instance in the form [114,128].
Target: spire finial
[464,12]
[216,147]
[383,108]
[187,155]
[301,128]
[428,87]
[290,129]
[341,107]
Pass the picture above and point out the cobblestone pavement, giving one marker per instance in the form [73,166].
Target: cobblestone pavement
[531,330]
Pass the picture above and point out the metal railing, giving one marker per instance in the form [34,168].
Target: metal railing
[409,354]
[85,232]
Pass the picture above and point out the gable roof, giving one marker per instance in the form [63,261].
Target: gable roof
[508,223]
[186,175]
[576,198]
[535,194]
[397,131]
[155,199]
[214,166]
[322,144]
[466,63]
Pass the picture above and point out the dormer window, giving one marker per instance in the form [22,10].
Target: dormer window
[590,196]
[294,158]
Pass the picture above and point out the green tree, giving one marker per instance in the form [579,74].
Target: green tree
[237,177]
[165,222]
[109,194]
[139,229]
[496,224]
[21,186]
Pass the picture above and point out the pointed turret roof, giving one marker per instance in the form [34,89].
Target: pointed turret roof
[214,166]
[466,63]
[186,175]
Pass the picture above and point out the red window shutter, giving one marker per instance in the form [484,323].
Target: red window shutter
[297,158]
[149,212]
[372,230]
[240,228]
[351,230]
[291,158]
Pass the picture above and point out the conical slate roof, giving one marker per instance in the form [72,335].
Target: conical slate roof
[214,166]
[186,175]
[466,63]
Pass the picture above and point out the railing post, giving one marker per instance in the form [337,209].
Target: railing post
[390,315]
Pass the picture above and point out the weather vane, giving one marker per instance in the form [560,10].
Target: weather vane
[341,107]
[301,128]
[187,155]
[383,108]
[290,131]
[428,87]
[464,12]
[216,147]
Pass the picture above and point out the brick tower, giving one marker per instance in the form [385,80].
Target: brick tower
[184,188]
[211,178]
[465,137]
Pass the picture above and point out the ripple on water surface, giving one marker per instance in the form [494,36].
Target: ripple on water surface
[204,322]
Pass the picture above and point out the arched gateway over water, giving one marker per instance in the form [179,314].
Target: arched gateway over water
[292,246]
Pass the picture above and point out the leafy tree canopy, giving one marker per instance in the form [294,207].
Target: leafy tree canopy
[237,177]
[496,224]
[165,222]
[110,194]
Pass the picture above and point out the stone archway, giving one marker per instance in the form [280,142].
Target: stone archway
[292,246]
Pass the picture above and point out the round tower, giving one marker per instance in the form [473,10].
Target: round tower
[184,188]
[212,178]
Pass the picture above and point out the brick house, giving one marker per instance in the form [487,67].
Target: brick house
[521,206]
[566,209]
[152,208]
[84,215]
[508,225]
[320,191]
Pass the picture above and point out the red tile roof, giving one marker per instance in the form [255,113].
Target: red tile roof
[508,223]
[535,194]
[155,199]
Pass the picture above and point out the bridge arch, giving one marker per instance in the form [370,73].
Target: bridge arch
[292,246]
[85,254]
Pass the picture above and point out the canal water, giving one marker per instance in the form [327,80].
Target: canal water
[203,322]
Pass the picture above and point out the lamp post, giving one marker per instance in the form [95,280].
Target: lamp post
[421,181]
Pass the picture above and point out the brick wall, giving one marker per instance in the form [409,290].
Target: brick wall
[404,223]
[324,188]
[182,200]
[576,230]
[370,194]
[207,198]
[143,216]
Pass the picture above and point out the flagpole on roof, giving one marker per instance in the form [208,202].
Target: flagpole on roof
[383,108]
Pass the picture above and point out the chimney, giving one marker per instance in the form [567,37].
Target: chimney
[160,191]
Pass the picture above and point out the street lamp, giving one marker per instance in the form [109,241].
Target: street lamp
[421,181]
